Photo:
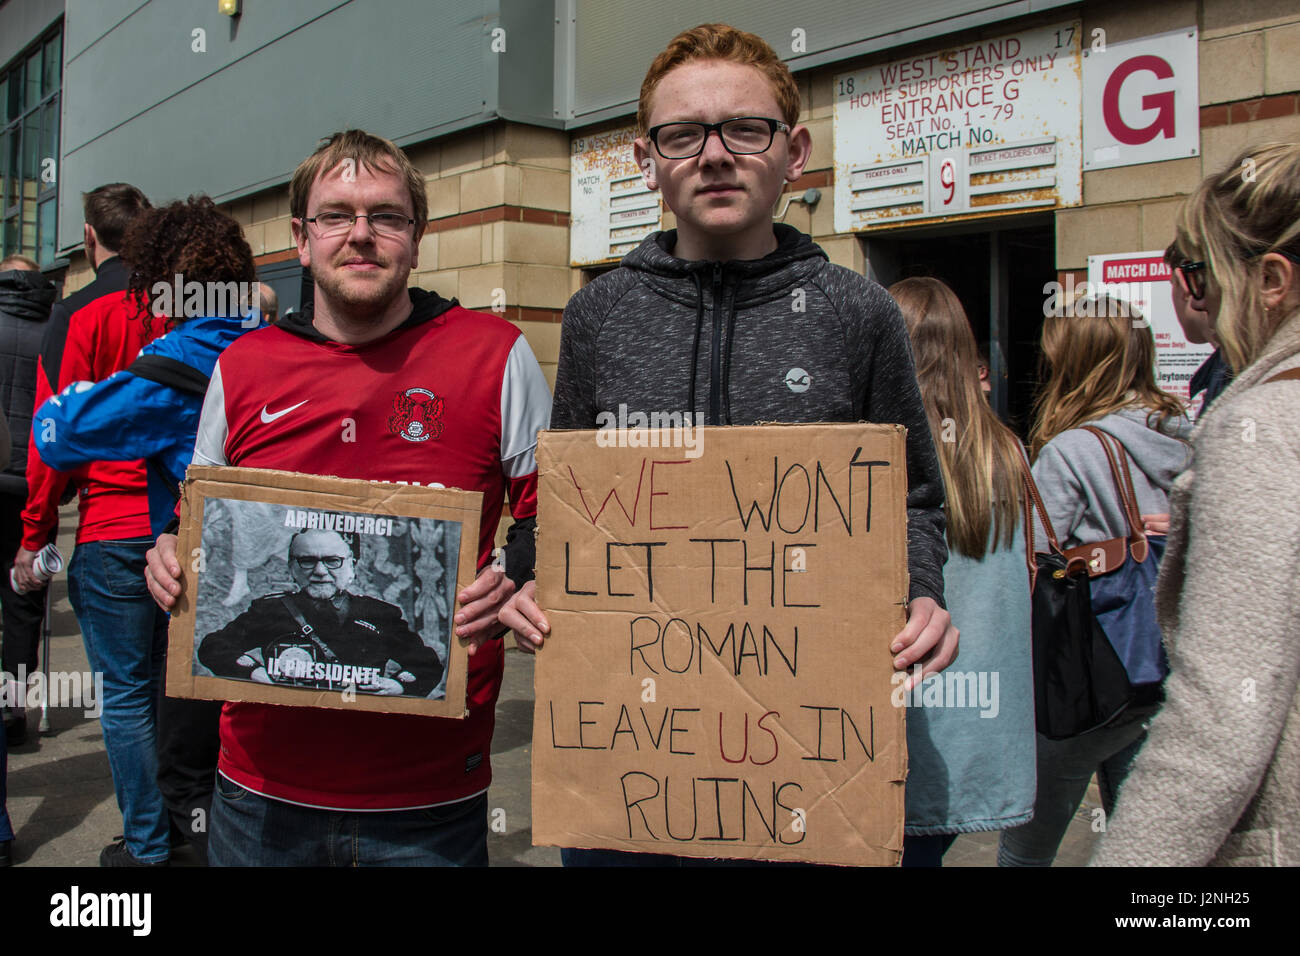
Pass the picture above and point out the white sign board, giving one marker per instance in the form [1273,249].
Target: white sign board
[1142,279]
[612,209]
[986,128]
[1141,101]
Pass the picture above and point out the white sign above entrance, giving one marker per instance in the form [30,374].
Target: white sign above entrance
[986,128]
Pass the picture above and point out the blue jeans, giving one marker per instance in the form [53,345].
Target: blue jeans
[6,829]
[247,829]
[1065,768]
[126,639]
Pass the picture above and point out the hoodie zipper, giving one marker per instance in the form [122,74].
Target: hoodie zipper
[715,350]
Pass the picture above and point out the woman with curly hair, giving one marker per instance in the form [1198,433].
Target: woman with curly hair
[1218,779]
[192,274]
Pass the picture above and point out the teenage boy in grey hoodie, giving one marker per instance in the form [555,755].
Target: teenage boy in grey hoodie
[738,321]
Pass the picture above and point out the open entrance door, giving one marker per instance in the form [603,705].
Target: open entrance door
[998,272]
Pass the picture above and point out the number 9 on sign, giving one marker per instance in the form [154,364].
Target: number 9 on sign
[947,188]
[948,180]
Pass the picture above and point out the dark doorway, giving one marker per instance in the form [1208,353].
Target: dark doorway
[998,274]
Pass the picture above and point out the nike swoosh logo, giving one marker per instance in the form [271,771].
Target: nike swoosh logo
[268,417]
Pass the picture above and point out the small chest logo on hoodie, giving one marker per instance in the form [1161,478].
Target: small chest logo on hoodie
[798,380]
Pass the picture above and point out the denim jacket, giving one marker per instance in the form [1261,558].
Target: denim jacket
[970,729]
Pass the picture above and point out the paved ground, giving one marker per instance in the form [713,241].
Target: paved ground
[61,793]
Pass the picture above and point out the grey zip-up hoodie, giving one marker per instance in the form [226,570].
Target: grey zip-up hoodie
[1075,480]
[786,338]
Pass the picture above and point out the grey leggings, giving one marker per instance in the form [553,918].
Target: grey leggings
[1065,768]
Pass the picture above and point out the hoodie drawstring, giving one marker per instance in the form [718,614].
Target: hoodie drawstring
[695,349]
[726,361]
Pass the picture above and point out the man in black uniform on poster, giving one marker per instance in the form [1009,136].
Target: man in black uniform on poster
[322,635]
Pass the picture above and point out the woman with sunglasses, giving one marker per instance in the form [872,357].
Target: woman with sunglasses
[1218,779]
[1213,375]
[1099,363]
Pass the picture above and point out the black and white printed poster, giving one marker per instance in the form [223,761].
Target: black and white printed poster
[311,601]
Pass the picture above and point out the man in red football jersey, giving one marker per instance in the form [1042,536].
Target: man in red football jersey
[318,393]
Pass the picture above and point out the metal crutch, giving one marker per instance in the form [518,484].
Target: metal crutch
[44,727]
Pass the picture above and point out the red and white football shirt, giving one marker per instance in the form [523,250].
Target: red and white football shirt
[452,397]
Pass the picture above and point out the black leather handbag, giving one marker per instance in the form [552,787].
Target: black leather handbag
[1080,683]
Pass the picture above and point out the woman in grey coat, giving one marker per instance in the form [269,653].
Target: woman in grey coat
[1219,778]
[1100,363]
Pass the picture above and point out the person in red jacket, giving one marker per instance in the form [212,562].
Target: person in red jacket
[381,382]
[124,633]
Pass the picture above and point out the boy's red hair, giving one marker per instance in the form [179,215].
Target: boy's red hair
[717,41]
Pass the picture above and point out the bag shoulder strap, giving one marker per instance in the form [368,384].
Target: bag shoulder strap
[1033,500]
[1123,478]
[170,372]
[306,629]
[1290,375]
[154,465]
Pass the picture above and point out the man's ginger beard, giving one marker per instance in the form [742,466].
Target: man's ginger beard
[359,300]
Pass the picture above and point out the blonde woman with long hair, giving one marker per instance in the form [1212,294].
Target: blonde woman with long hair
[1219,778]
[972,767]
[1099,369]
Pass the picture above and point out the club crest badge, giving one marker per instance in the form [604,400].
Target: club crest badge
[417,415]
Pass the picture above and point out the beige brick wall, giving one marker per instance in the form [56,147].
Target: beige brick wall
[1231,67]
[1170,178]
[1282,58]
[1223,17]
[1092,230]
[505,164]
[265,218]
[544,339]
[1126,20]
[1156,222]
[1220,144]
[79,274]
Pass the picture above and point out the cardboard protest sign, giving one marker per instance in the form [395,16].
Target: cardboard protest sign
[321,592]
[717,681]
